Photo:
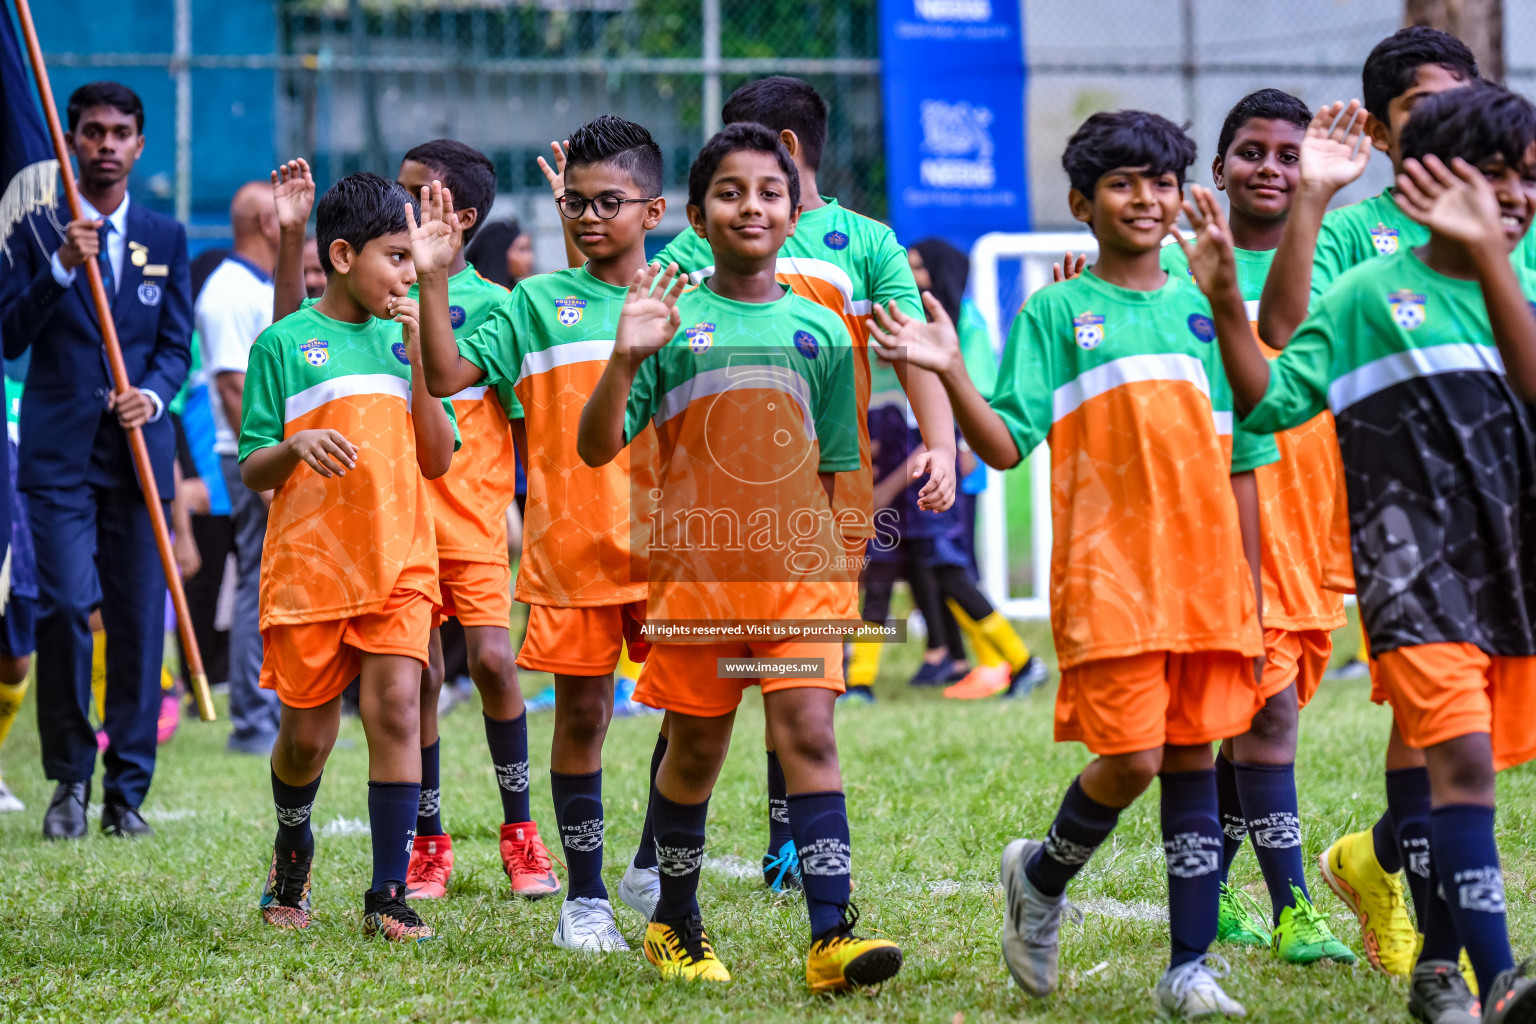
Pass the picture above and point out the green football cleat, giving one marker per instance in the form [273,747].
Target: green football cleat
[1241,922]
[1303,935]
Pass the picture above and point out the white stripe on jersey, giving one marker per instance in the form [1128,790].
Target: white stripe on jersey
[349,386]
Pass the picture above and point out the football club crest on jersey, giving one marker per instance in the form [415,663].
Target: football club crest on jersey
[398,348]
[1407,309]
[1088,331]
[1384,239]
[568,310]
[701,337]
[1202,326]
[835,240]
[149,293]
[456,316]
[315,352]
[805,341]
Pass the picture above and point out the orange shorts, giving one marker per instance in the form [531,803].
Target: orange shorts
[1297,656]
[475,593]
[310,663]
[582,641]
[1441,691]
[686,678]
[1140,702]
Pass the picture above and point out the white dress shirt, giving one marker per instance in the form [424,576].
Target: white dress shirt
[117,244]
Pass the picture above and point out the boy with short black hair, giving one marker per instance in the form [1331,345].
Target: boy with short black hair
[469,510]
[1316,247]
[1155,619]
[349,569]
[757,361]
[1427,358]
[1257,166]
[582,573]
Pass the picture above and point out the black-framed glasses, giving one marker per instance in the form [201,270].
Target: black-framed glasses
[572,206]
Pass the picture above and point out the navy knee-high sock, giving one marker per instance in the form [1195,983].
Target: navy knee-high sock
[1192,848]
[579,813]
[1467,859]
[1268,794]
[1384,843]
[779,831]
[645,853]
[1440,939]
[1408,803]
[429,816]
[508,740]
[392,820]
[1081,825]
[293,804]
[1229,804]
[820,824]
[679,855]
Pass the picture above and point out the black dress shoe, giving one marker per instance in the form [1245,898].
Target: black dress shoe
[119,819]
[65,817]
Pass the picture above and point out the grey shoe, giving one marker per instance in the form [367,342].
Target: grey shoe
[1438,994]
[640,889]
[1031,923]
[1513,999]
[1190,991]
[1027,680]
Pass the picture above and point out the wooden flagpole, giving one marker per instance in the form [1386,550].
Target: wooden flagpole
[199,678]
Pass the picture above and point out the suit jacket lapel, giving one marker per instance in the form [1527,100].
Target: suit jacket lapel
[131,275]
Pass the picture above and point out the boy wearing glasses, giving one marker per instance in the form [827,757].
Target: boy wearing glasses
[583,582]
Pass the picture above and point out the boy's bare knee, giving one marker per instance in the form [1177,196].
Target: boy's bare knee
[491,668]
[583,719]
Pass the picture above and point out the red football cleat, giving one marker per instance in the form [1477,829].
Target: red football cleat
[527,862]
[431,864]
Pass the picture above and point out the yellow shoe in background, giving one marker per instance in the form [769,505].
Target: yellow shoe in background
[1351,870]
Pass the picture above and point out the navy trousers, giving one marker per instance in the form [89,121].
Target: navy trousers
[95,546]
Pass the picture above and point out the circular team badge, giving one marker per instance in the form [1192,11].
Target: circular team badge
[1202,326]
[316,353]
[456,316]
[805,341]
[398,348]
[835,240]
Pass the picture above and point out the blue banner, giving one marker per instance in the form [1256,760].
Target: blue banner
[953,82]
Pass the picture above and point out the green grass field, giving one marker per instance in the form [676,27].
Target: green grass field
[110,930]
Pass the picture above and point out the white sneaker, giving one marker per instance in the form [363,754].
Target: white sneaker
[586,925]
[1190,990]
[1031,923]
[9,800]
[640,888]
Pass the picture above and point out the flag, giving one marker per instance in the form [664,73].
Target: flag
[28,167]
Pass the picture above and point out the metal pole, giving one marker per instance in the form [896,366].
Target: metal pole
[181,57]
[711,67]
[1190,69]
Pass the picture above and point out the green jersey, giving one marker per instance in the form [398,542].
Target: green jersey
[1128,388]
[750,402]
[1439,456]
[1252,271]
[549,343]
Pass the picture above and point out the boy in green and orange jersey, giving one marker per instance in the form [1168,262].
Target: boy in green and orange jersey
[1154,615]
[580,574]
[1257,166]
[754,411]
[349,569]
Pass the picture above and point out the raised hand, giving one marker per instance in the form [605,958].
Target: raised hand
[556,175]
[1335,149]
[293,193]
[1455,201]
[1211,259]
[1069,267]
[932,345]
[649,318]
[436,240]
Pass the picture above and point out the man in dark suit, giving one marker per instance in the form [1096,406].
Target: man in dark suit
[92,532]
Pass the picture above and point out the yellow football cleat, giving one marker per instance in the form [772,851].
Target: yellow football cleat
[843,961]
[1351,870]
[683,952]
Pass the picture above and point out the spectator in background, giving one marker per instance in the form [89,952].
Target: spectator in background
[314,273]
[501,251]
[234,307]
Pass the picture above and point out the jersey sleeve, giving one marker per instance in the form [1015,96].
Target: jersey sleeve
[891,278]
[1299,379]
[644,397]
[1330,259]
[1024,389]
[453,421]
[1251,450]
[493,345]
[509,402]
[690,252]
[975,349]
[261,409]
[836,414]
